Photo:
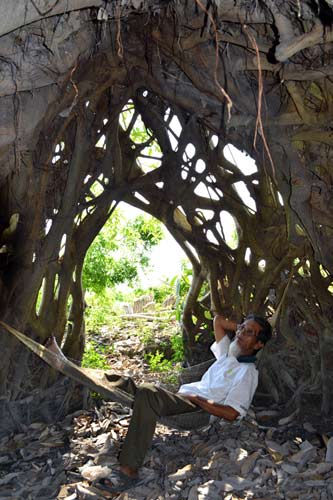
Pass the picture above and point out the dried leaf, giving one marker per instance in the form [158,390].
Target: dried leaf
[94,472]
[181,473]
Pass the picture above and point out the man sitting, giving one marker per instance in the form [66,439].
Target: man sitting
[225,390]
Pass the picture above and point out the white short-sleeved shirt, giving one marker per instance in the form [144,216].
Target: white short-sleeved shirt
[227,381]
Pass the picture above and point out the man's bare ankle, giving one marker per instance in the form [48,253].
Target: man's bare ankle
[129,471]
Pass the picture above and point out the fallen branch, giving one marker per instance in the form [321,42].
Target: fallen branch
[143,316]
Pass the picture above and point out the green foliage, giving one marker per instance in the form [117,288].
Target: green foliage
[118,252]
[122,248]
[157,362]
[124,270]
[140,235]
[177,344]
[182,286]
[140,134]
[233,240]
[96,262]
[94,356]
[208,315]
[100,310]
[146,335]
[149,230]
[160,293]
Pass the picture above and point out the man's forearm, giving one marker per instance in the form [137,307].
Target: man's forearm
[220,325]
[221,411]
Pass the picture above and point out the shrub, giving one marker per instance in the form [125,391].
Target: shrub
[95,356]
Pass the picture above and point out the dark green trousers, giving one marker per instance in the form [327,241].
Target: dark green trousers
[150,403]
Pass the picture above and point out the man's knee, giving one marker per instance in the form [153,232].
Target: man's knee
[147,394]
[145,391]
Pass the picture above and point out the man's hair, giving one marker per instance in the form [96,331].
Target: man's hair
[265,333]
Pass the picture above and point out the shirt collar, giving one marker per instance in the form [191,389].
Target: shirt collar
[246,359]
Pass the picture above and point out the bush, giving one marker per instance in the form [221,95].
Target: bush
[177,344]
[100,309]
[119,251]
[95,356]
[158,363]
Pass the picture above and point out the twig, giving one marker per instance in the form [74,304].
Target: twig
[143,316]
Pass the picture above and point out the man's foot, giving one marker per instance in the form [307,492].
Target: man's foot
[52,345]
[117,482]
[131,472]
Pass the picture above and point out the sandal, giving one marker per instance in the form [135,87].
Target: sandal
[117,482]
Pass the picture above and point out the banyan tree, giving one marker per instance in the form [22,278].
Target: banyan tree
[77,76]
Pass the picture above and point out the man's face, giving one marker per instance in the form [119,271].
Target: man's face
[247,337]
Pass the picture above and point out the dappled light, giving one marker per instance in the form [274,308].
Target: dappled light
[141,198]
[48,225]
[184,173]
[200,166]
[214,140]
[126,115]
[39,297]
[101,142]
[63,245]
[229,230]
[207,214]
[247,256]
[245,195]
[280,198]
[240,159]
[201,189]
[211,237]
[55,158]
[189,152]
[214,193]
[262,265]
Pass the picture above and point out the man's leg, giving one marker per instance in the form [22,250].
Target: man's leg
[120,382]
[150,403]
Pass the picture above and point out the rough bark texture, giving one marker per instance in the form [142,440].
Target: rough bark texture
[257,75]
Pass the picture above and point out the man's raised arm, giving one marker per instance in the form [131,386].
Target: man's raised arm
[221,325]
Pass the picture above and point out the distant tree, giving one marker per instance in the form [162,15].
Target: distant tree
[120,250]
